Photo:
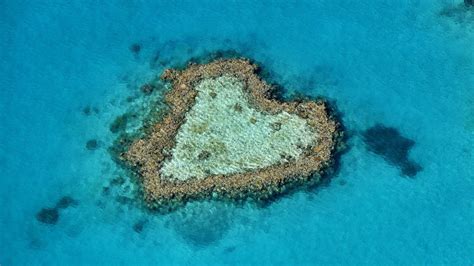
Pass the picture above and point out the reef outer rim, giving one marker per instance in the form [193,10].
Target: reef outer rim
[146,155]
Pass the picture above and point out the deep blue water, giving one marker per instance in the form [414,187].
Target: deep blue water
[407,65]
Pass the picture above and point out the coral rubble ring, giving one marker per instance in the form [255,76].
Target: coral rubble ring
[225,137]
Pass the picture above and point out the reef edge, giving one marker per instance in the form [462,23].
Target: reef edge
[145,154]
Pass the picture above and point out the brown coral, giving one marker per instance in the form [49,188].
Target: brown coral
[148,154]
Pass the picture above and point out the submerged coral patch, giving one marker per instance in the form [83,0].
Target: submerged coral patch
[51,215]
[392,146]
[48,216]
[202,224]
[135,48]
[139,226]
[92,144]
[66,202]
[119,124]
[224,136]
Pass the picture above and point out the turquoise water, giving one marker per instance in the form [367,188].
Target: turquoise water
[407,65]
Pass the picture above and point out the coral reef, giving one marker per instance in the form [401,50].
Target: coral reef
[48,216]
[201,224]
[92,144]
[51,215]
[224,136]
[135,48]
[139,226]
[88,110]
[119,124]
[461,14]
[393,147]
[66,202]
[147,89]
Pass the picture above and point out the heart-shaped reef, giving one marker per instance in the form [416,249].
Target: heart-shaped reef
[225,137]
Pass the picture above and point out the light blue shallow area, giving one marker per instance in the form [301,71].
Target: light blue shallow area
[407,64]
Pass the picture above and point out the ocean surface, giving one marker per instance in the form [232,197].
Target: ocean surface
[400,73]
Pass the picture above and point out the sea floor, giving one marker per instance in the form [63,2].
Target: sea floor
[404,69]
